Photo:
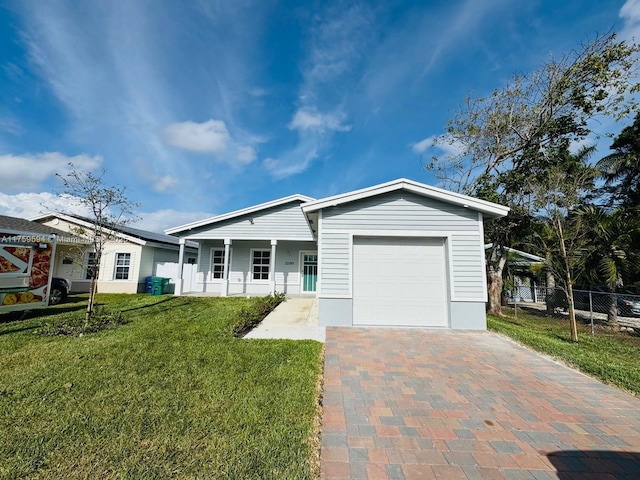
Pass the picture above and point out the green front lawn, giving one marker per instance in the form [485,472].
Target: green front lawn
[611,356]
[171,394]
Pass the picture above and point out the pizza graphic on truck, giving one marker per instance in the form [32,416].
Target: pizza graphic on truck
[25,269]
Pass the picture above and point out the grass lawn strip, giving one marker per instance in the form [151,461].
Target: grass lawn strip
[610,356]
[171,394]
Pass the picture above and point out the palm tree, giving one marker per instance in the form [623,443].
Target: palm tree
[612,255]
[621,169]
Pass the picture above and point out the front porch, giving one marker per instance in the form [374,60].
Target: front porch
[229,267]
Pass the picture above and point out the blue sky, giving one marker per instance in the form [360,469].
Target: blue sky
[203,107]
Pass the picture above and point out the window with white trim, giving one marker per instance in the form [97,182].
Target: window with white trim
[217,263]
[90,263]
[260,261]
[123,263]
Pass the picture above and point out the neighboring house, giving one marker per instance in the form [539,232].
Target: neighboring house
[527,274]
[400,254]
[128,257]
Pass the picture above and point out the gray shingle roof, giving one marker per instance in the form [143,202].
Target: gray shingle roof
[22,225]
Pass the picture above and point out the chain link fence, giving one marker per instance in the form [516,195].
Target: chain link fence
[595,306]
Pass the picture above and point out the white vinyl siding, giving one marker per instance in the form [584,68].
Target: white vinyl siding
[393,214]
[468,271]
[286,275]
[335,263]
[400,211]
[281,222]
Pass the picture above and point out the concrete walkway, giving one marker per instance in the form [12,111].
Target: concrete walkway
[295,319]
[417,404]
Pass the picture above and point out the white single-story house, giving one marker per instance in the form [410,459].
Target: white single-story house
[128,258]
[397,254]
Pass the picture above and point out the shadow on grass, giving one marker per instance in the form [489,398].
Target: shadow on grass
[40,312]
[142,307]
[16,330]
[572,464]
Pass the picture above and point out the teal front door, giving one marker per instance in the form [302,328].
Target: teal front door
[309,272]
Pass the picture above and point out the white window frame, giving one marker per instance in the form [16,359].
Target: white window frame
[128,266]
[211,272]
[252,264]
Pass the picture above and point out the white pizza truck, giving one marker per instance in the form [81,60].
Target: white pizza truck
[26,269]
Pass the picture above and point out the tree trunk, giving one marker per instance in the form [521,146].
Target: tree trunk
[495,267]
[93,288]
[612,313]
[565,259]
[550,289]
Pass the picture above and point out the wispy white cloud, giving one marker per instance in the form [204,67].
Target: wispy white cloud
[160,220]
[159,183]
[246,154]
[334,51]
[630,14]
[294,161]
[29,171]
[311,119]
[211,136]
[467,19]
[422,145]
[27,205]
[338,38]
[11,125]
[122,72]
[421,43]
[442,143]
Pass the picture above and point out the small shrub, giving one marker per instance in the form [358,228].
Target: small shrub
[73,323]
[249,318]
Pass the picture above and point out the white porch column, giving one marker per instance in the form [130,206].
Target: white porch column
[272,266]
[179,281]
[224,288]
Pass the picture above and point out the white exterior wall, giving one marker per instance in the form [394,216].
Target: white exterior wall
[144,262]
[107,282]
[287,267]
[402,213]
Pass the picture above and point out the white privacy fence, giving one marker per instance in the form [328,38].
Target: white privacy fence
[171,270]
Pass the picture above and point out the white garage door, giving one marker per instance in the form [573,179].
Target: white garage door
[399,281]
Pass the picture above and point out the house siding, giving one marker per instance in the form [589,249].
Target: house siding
[468,272]
[107,283]
[281,222]
[287,268]
[395,213]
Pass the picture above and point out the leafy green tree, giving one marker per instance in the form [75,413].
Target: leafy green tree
[559,186]
[621,169]
[612,250]
[498,139]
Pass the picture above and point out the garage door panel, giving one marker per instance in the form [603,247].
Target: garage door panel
[399,281]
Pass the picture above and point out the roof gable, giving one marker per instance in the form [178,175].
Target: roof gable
[133,235]
[239,213]
[490,209]
[21,224]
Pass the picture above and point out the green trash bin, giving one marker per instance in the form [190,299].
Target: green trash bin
[158,285]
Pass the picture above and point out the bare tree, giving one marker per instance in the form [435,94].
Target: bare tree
[108,209]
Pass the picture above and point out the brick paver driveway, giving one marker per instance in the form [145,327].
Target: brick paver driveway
[412,403]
